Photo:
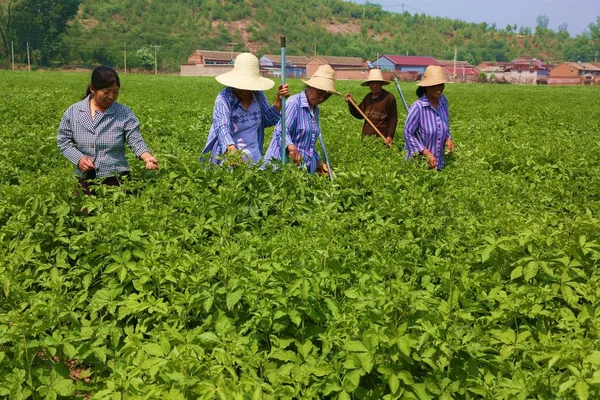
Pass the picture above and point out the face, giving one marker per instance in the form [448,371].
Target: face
[242,94]
[105,97]
[375,87]
[316,96]
[435,91]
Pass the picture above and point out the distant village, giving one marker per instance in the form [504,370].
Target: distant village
[523,70]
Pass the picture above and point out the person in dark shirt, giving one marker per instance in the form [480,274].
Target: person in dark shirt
[378,105]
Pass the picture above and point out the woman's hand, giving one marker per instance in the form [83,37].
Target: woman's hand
[86,164]
[322,168]
[294,154]
[284,90]
[430,158]
[150,160]
[449,145]
[348,97]
[231,148]
[388,140]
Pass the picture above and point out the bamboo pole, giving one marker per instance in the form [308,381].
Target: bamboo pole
[283,132]
[369,121]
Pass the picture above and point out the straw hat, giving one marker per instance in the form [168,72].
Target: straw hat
[323,79]
[375,75]
[432,76]
[245,74]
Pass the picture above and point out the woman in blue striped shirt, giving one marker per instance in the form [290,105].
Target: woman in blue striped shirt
[242,112]
[427,128]
[302,124]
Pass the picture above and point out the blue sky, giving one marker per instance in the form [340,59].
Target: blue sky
[577,14]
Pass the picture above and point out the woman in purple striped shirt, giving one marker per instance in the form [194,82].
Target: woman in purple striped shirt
[242,112]
[427,128]
[302,124]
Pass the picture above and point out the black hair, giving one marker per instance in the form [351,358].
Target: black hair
[102,78]
[421,91]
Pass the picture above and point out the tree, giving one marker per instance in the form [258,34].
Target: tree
[563,31]
[594,28]
[146,58]
[41,22]
[6,28]
[543,21]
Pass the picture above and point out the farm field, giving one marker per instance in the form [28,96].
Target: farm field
[480,281]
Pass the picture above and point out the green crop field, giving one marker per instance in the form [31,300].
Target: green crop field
[476,282]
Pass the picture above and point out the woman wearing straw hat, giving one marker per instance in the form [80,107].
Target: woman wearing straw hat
[302,122]
[427,129]
[242,111]
[379,106]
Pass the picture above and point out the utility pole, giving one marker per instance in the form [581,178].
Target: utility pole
[231,45]
[12,49]
[454,69]
[156,47]
[125,57]
[28,60]
[364,9]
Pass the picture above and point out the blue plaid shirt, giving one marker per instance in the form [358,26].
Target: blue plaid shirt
[102,139]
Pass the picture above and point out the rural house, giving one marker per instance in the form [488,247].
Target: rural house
[416,64]
[208,63]
[295,66]
[345,67]
[575,73]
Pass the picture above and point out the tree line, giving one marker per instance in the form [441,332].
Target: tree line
[86,32]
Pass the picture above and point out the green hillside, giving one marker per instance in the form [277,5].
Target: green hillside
[101,31]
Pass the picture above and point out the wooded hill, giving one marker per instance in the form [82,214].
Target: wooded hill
[101,31]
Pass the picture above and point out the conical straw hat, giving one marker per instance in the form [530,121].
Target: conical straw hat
[433,75]
[323,79]
[375,75]
[245,74]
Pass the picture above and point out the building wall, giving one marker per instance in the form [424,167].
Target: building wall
[357,74]
[527,77]
[195,58]
[313,65]
[418,69]
[204,70]
[290,72]
[564,80]
[384,64]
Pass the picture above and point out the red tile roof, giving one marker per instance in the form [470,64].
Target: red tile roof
[415,61]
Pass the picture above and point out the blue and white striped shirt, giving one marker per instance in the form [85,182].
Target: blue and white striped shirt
[102,138]
[222,129]
[427,128]
[302,130]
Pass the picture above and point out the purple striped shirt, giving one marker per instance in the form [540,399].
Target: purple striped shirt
[302,130]
[427,128]
[223,128]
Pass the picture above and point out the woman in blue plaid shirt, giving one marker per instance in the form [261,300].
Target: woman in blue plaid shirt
[93,133]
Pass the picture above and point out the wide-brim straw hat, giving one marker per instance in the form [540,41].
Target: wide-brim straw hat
[323,79]
[375,75]
[433,75]
[245,74]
